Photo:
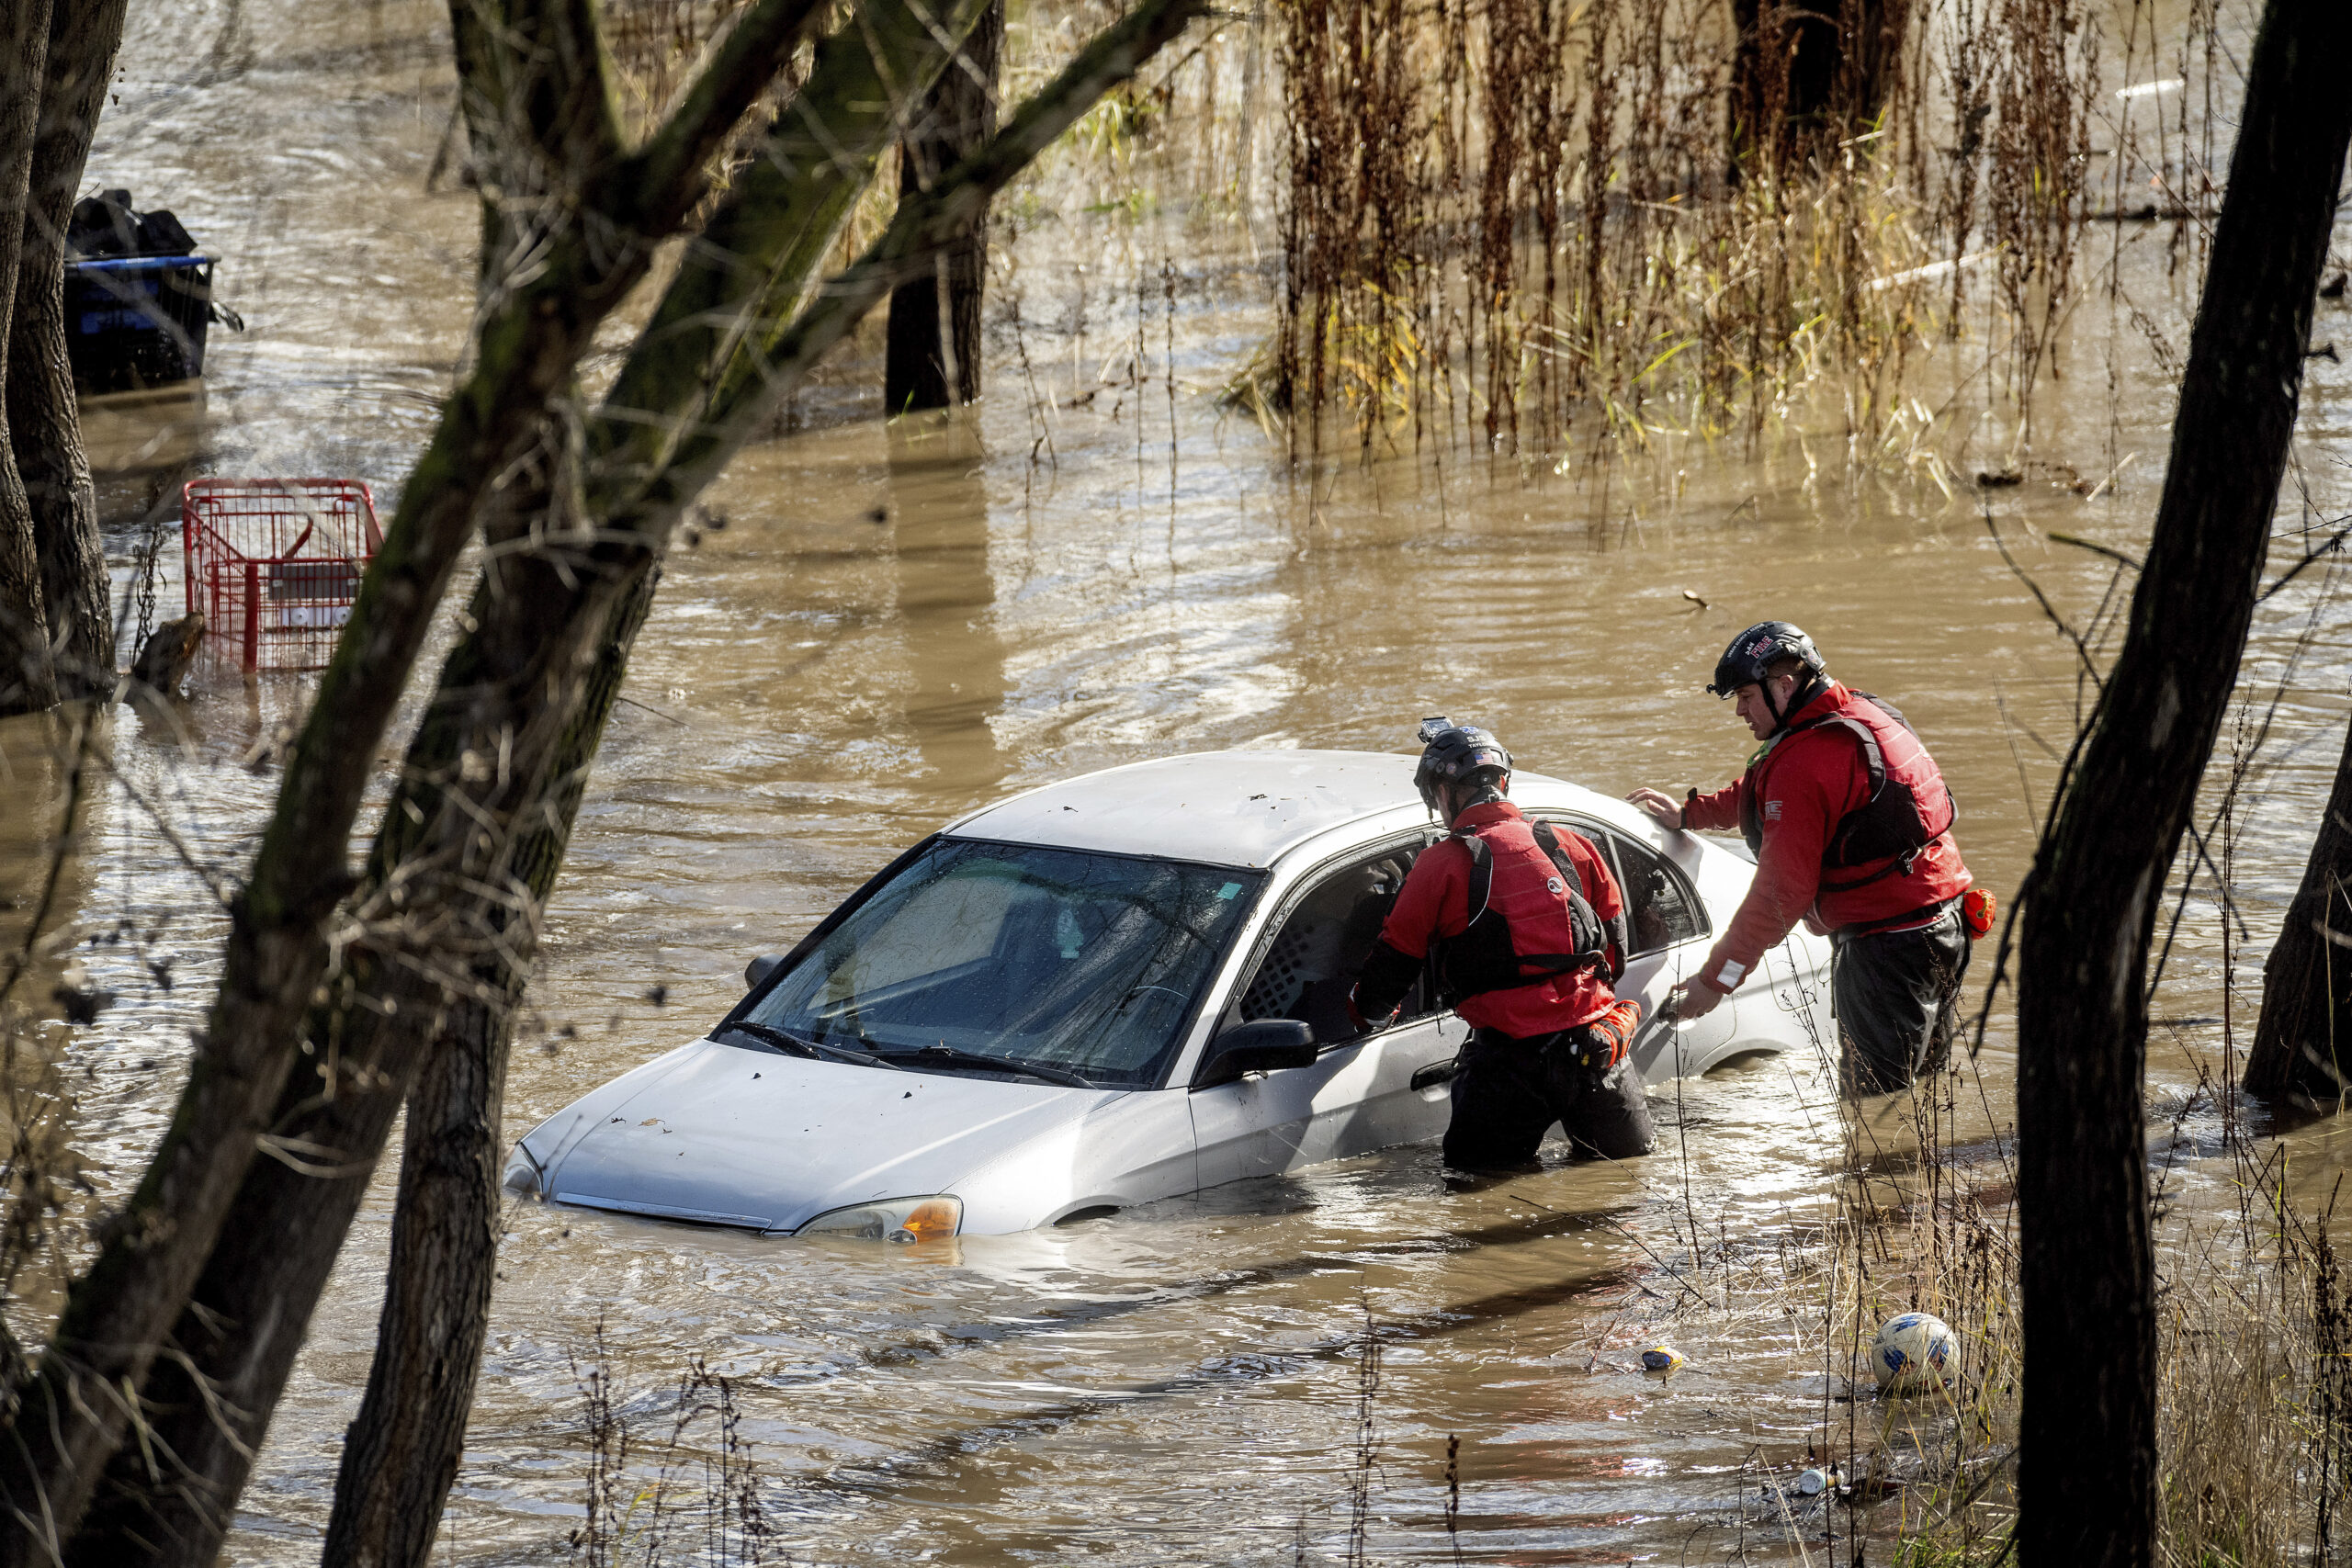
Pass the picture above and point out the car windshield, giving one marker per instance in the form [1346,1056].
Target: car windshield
[1067,961]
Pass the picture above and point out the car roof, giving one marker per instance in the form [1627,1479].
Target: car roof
[1240,808]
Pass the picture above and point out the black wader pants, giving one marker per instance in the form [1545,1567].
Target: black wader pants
[1894,995]
[1509,1091]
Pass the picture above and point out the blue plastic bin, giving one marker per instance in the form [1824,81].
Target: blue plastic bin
[134,321]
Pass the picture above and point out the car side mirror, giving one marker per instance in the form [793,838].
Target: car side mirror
[1266,1045]
[759,968]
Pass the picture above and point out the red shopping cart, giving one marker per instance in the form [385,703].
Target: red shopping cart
[275,564]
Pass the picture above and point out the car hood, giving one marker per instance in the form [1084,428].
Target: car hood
[725,1136]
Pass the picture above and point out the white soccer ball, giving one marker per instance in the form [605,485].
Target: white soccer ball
[1913,1353]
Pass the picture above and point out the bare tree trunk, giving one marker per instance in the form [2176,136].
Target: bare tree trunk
[957,119]
[68,1421]
[2087,1463]
[505,419]
[1808,74]
[44,422]
[401,1455]
[28,680]
[393,1012]
[515,688]
[395,1474]
[2302,1043]
[26,684]
[252,1304]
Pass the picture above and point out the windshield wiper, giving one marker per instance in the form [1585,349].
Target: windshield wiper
[767,1034]
[948,1055]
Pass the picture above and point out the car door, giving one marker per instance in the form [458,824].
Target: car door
[1670,932]
[1366,1090]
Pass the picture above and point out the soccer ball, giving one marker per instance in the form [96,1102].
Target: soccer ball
[1913,1353]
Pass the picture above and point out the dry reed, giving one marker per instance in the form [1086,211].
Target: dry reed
[1528,220]
[679,1487]
[2254,1387]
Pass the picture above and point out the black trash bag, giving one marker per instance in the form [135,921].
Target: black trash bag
[104,225]
[138,297]
[160,234]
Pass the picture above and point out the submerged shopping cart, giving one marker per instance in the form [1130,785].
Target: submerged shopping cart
[273,565]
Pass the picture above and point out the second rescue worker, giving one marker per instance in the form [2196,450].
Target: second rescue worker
[1527,930]
[1851,825]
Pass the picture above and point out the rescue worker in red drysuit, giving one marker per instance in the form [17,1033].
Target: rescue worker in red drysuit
[1526,929]
[1851,825]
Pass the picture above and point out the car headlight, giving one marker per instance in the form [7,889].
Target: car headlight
[894,1219]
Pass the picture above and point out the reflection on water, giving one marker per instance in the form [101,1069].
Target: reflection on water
[130,435]
[899,624]
[938,512]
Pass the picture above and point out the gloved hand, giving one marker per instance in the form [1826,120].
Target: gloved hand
[1356,1017]
[1612,1033]
[1693,1000]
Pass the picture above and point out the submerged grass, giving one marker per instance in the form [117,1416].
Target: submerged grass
[1568,236]
[1618,222]
[671,1480]
[2255,1443]
[2252,1369]
[2255,1377]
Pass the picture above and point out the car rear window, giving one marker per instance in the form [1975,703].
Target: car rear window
[1081,961]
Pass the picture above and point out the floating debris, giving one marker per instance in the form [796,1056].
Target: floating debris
[1913,1353]
[162,664]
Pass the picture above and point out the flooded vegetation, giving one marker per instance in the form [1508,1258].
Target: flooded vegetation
[1356,362]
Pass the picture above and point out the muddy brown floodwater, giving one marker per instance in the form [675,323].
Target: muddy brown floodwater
[898,625]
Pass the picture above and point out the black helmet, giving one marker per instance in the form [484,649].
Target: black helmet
[1452,752]
[1755,650]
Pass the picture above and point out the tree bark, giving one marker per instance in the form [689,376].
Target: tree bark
[2087,1460]
[504,422]
[44,421]
[26,683]
[252,1304]
[2302,1042]
[536,617]
[392,1012]
[1808,74]
[28,678]
[74,1413]
[401,1455]
[958,117]
[395,1474]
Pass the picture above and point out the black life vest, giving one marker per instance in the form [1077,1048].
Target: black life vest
[1491,954]
[1908,807]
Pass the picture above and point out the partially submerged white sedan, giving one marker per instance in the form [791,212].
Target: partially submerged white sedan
[1117,988]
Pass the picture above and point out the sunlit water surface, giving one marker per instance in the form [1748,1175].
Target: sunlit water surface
[896,626]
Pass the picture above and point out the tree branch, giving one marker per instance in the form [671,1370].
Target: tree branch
[771,235]
[757,383]
[2088,1480]
[72,1417]
[655,187]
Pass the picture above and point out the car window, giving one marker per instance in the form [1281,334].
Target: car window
[1080,962]
[1660,907]
[1307,969]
